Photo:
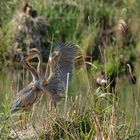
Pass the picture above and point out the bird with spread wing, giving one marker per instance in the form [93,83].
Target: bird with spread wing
[61,67]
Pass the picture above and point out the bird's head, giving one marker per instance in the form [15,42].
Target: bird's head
[53,56]
[31,54]
[34,52]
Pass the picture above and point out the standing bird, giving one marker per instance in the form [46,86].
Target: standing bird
[30,94]
[101,80]
[131,76]
[61,65]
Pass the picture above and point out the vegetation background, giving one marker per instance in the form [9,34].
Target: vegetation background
[106,31]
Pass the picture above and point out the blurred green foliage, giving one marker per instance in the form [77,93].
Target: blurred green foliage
[91,24]
[75,21]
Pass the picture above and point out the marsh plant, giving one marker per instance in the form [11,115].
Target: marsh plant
[107,33]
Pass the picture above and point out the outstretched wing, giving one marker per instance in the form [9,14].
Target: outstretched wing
[65,62]
[64,65]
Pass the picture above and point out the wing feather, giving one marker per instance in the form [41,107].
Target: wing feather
[24,100]
[57,83]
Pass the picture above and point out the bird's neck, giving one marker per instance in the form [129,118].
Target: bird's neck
[52,67]
[32,70]
[39,67]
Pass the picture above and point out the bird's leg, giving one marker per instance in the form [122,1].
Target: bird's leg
[55,104]
[21,121]
[56,109]
[25,120]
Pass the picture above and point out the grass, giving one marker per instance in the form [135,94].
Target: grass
[89,113]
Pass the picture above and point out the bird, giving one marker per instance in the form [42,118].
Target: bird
[27,97]
[61,65]
[131,76]
[101,80]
